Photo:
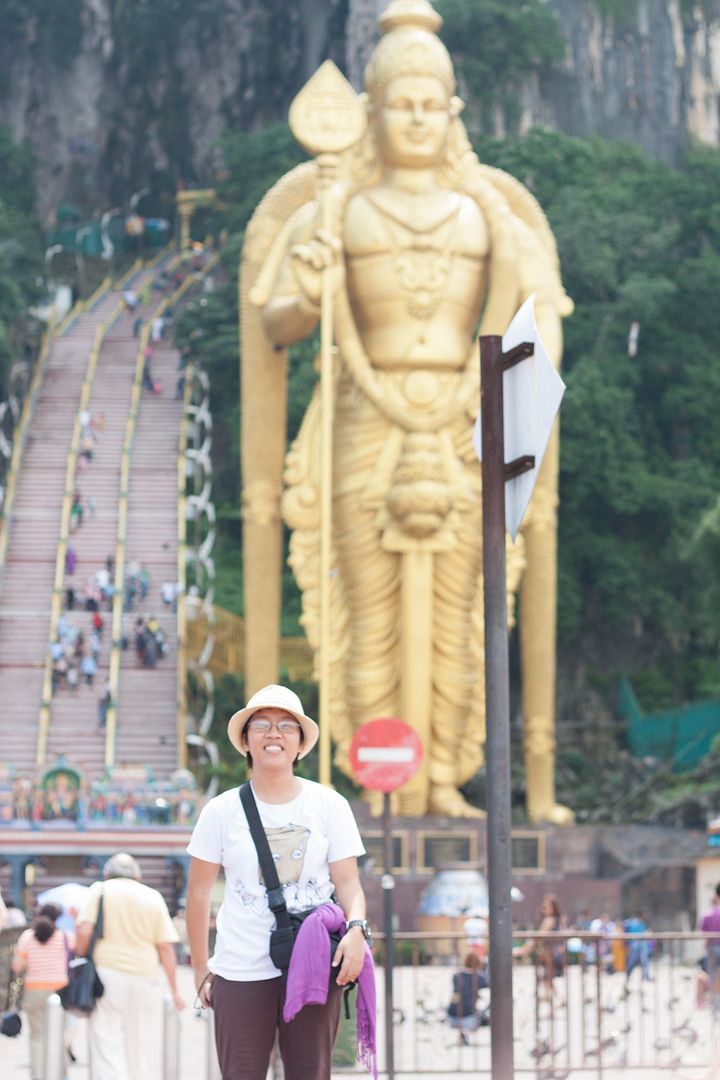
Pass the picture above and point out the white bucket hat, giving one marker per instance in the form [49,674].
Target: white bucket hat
[274,697]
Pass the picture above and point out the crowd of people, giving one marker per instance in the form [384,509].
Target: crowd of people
[75,653]
[137,939]
[151,642]
[76,650]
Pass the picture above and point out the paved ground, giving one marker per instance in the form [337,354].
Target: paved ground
[420,1044]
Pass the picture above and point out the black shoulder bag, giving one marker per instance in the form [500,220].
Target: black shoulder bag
[282,938]
[84,984]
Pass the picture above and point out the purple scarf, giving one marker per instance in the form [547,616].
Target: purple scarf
[307,981]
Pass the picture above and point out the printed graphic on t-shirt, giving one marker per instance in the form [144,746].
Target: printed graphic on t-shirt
[288,846]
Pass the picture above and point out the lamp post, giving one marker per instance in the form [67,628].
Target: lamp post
[49,252]
[108,248]
[134,200]
[80,258]
[137,196]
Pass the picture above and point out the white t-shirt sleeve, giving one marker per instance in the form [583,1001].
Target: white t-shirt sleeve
[206,841]
[344,839]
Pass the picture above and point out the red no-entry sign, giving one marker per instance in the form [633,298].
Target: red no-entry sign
[385,754]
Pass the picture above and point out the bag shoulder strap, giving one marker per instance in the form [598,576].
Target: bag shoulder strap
[276,899]
[98,928]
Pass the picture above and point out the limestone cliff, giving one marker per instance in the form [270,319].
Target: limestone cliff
[116,94]
[141,90]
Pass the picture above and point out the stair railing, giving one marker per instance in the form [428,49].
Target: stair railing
[60,558]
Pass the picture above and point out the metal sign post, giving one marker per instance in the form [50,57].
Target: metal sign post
[516,417]
[497,696]
[385,754]
[388,887]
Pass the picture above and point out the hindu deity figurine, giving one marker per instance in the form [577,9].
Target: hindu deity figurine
[427,248]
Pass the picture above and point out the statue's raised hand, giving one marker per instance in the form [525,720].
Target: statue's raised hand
[322,252]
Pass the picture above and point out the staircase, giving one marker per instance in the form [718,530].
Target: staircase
[146,723]
[30,565]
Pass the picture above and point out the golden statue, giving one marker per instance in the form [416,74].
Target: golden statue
[424,245]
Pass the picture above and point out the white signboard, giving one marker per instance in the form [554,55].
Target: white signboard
[532,392]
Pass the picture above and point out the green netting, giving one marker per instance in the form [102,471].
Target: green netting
[679,736]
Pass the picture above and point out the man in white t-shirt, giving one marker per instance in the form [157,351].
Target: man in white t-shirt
[138,935]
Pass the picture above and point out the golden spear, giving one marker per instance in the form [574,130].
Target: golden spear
[326,118]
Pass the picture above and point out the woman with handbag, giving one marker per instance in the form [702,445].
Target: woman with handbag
[41,955]
[315,844]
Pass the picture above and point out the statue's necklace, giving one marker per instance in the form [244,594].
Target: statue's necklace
[423,268]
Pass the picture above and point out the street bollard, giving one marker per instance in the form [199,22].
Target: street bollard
[212,1065]
[54,1050]
[171,1040]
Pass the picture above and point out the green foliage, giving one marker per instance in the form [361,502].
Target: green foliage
[254,162]
[209,326]
[640,450]
[496,44]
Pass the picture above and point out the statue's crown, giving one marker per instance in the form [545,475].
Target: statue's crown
[409,46]
[410,13]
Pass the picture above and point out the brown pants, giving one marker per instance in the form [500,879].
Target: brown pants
[247,1015]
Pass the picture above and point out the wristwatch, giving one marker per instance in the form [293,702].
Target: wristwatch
[364,926]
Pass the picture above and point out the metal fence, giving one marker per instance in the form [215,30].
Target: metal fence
[8,938]
[590,1018]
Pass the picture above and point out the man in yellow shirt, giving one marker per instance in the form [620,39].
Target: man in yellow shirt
[138,933]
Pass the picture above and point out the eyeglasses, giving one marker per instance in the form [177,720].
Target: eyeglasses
[285,727]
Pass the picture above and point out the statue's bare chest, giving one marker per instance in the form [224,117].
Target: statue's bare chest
[418,251]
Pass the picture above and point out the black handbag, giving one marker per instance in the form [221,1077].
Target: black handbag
[282,938]
[84,985]
[10,1021]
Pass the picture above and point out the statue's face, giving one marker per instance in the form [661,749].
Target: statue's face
[412,121]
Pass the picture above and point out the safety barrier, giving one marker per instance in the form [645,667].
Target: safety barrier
[54,1053]
[199,610]
[71,469]
[587,1018]
[8,941]
[182,577]
[54,1040]
[119,583]
[170,1041]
